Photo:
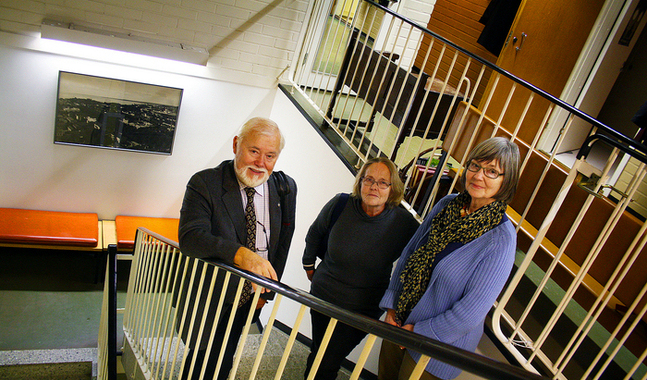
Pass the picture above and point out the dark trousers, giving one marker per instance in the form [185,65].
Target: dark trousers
[344,339]
[397,364]
[230,348]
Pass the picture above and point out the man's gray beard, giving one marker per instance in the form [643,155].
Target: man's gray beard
[250,182]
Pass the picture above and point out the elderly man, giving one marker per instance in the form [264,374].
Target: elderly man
[240,213]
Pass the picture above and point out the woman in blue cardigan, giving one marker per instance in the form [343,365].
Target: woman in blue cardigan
[456,264]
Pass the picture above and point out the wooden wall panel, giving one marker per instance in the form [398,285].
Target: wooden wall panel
[457,21]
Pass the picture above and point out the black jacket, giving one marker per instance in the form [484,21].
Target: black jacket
[212,228]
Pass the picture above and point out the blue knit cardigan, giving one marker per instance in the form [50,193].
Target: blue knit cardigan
[462,289]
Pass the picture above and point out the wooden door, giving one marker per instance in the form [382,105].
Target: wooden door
[550,35]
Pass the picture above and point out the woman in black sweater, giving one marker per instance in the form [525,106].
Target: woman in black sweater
[368,235]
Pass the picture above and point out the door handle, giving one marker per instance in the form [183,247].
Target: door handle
[523,38]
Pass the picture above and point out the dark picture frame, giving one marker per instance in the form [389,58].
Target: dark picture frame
[116,114]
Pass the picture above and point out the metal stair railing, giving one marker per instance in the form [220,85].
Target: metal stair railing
[154,349]
[576,306]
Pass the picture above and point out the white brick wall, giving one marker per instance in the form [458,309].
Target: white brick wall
[252,37]
[418,11]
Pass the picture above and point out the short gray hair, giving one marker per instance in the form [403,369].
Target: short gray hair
[507,155]
[262,126]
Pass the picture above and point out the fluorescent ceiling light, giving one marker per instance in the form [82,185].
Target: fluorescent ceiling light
[69,32]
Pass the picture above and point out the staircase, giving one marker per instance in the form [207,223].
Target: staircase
[276,344]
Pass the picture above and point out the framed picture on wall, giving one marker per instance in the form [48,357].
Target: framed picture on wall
[116,114]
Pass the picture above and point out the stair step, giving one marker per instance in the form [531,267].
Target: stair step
[48,364]
[52,371]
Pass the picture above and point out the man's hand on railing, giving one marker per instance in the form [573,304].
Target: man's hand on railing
[249,260]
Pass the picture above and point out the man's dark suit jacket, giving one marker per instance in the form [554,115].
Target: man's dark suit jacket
[212,227]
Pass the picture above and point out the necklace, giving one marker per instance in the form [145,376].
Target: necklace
[465,211]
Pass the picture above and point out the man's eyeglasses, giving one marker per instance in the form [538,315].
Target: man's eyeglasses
[369,181]
[488,172]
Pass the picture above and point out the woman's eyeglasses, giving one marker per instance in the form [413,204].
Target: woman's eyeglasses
[488,172]
[368,181]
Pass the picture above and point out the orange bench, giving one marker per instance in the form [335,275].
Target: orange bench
[50,229]
[76,231]
[126,229]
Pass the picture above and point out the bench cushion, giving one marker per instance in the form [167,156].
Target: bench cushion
[127,228]
[22,226]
